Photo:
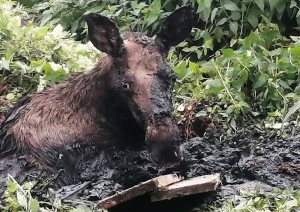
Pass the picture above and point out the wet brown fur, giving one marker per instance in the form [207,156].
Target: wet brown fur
[89,107]
[78,99]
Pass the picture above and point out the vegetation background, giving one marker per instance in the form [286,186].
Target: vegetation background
[240,63]
[239,66]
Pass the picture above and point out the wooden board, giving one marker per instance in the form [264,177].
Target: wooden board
[140,189]
[187,187]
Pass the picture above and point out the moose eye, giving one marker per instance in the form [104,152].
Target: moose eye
[125,85]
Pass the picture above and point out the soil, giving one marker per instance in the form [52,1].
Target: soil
[247,156]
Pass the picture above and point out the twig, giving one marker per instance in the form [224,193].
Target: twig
[55,177]
[84,185]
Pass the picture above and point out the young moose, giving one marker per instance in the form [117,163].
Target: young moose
[126,98]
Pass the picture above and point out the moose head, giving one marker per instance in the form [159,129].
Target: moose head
[141,79]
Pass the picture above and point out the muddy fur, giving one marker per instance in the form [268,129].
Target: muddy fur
[126,99]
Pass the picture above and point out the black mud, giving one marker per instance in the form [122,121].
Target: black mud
[247,156]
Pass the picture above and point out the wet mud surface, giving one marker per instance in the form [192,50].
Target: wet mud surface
[248,156]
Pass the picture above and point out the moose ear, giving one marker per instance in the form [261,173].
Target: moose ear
[176,27]
[104,34]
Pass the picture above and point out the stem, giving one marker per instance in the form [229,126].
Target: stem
[224,83]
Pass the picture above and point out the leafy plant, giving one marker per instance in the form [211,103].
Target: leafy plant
[253,75]
[134,15]
[277,200]
[258,79]
[19,198]
[33,57]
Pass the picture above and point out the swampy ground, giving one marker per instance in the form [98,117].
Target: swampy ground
[247,158]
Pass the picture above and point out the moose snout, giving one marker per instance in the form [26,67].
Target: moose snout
[163,140]
[165,154]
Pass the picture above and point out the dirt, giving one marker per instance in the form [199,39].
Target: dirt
[248,156]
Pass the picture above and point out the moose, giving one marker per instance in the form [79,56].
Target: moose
[126,98]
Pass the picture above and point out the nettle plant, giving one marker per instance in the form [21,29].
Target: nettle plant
[259,79]
[236,55]
[33,57]
[142,16]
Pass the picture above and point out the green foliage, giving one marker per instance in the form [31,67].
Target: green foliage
[259,78]
[19,198]
[218,21]
[278,200]
[33,57]
[133,15]
[236,56]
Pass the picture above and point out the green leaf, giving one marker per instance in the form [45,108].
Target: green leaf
[295,50]
[213,83]
[151,18]
[180,69]
[34,205]
[291,111]
[293,4]
[22,66]
[253,20]
[4,64]
[206,14]
[97,9]
[10,97]
[37,63]
[190,49]
[260,81]
[207,3]
[229,5]
[81,208]
[284,84]
[227,52]
[222,21]
[201,113]
[21,199]
[11,186]
[291,203]
[156,5]
[280,7]
[241,80]
[213,14]
[298,14]
[237,84]
[291,95]
[180,108]
[260,4]
[235,15]
[233,27]
[193,67]
[47,15]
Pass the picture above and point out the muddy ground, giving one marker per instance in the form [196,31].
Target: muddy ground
[250,155]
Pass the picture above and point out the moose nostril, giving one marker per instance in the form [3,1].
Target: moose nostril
[125,85]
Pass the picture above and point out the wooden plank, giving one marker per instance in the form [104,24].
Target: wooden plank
[140,189]
[187,187]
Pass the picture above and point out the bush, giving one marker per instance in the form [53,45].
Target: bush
[240,55]
[260,78]
[33,57]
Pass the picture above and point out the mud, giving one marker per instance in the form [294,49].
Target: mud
[248,156]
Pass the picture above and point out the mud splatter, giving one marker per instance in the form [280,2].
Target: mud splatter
[249,155]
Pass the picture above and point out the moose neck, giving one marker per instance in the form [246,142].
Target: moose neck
[92,92]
